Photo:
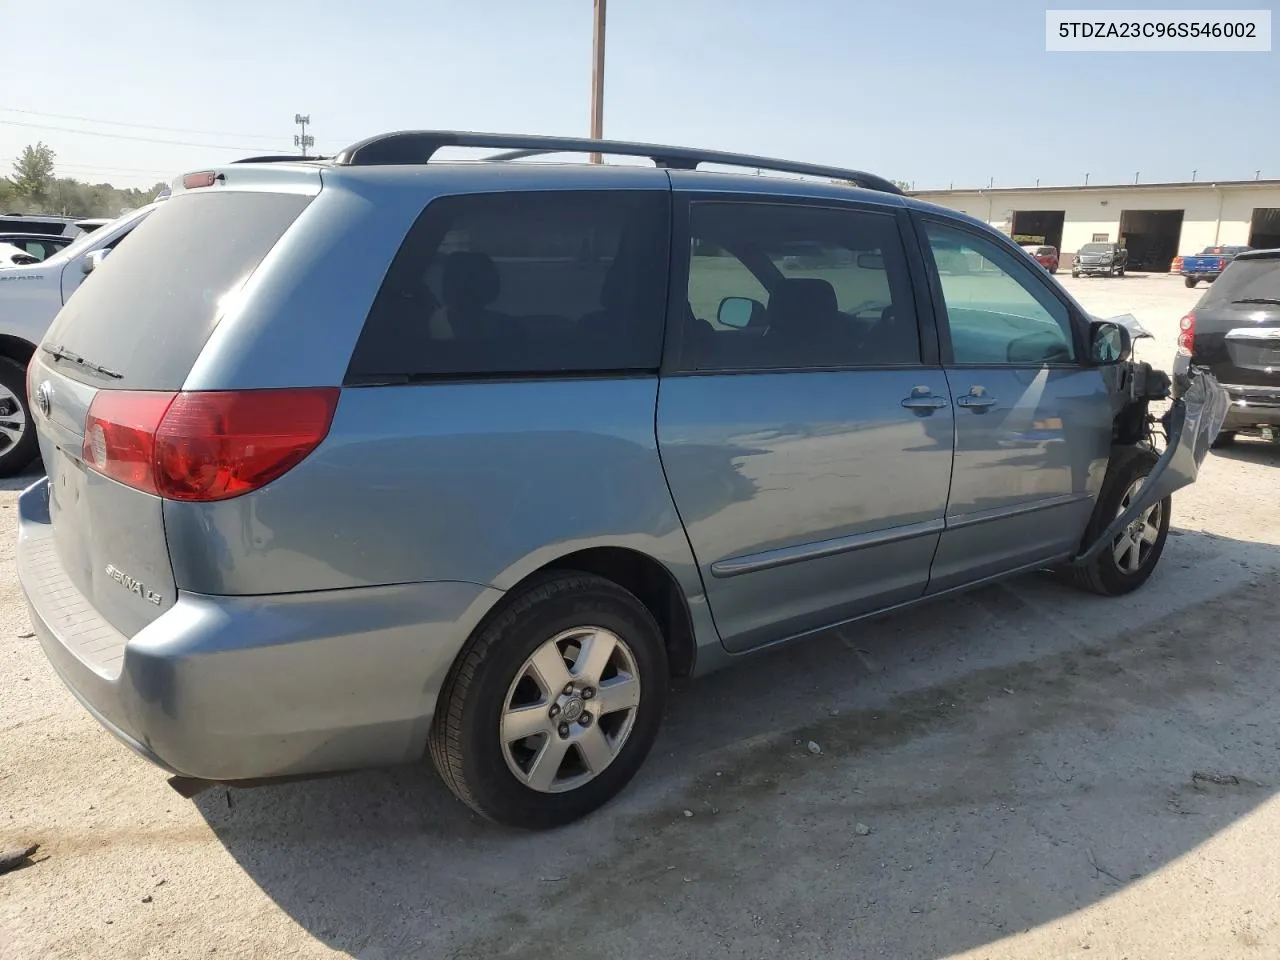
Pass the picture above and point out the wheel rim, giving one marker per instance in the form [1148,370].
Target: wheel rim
[1132,549]
[570,709]
[13,419]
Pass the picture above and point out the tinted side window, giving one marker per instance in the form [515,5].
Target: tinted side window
[997,310]
[785,286]
[523,283]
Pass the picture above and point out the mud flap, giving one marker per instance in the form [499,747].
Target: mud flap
[1195,418]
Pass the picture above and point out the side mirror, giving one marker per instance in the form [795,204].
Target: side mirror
[92,261]
[1109,343]
[870,261]
[737,312]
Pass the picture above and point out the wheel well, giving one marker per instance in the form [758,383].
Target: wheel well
[653,585]
[17,349]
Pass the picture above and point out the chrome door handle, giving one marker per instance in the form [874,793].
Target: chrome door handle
[976,400]
[923,401]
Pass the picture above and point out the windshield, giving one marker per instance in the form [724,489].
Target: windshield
[1246,280]
[1096,248]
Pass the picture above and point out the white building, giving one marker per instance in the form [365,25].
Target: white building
[1155,221]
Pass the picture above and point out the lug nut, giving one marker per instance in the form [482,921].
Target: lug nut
[568,690]
[554,711]
[585,719]
[588,693]
[564,730]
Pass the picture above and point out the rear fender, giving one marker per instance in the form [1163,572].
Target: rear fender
[1195,418]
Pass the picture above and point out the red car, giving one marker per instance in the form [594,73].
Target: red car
[1047,257]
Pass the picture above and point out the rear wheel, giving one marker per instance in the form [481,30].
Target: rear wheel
[1128,561]
[1190,281]
[553,706]
[1225,438]
[17,432]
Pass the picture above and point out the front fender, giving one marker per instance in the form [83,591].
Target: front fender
[1196,416]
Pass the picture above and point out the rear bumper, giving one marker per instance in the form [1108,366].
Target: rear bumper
[1252,406]
[236,688]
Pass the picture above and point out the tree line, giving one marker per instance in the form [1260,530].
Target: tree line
[34,188]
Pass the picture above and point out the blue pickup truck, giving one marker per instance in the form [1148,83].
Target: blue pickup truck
[1207,265]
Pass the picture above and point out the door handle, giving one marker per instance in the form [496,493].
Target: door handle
[923,401]
[976,400]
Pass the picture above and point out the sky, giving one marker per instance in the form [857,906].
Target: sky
[933,92]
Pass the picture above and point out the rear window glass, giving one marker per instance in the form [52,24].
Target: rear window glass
[148,310]
[1246,280]
[522,283]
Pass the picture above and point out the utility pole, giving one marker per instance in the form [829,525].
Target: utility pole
[301,140]
[1193,175]
[597,77]
[1086,179]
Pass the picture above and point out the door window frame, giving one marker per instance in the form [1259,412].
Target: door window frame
[1078,323]
[678,279]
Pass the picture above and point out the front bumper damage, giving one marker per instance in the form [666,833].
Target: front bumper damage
[1192,424]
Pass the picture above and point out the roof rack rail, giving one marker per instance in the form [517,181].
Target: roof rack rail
[418,146]
[279,158]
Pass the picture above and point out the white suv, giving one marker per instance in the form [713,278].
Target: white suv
[30,297]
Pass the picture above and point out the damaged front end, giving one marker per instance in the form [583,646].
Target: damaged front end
[1198,408]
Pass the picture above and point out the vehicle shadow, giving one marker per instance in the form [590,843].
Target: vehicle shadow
[22,480]
[1250,450]
[913,786]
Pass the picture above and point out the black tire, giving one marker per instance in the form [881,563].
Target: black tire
[1225,438]
[16,457]
[1103,575]
[1190,281]
[465,740]
[1054,271]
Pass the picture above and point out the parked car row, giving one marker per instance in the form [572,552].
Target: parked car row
[357,459]
[42,272]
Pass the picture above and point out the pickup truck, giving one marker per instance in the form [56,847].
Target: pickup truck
[31,294]
[1207,265]
[1100,260]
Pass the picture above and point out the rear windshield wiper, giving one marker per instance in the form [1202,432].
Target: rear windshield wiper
[62,353]
[1271,300]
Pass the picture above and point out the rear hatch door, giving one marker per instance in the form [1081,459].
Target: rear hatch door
[138,323]
[1237,325]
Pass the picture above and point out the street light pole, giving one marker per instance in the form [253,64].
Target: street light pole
[597,78]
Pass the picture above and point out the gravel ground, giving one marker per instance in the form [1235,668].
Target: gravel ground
[1040,773]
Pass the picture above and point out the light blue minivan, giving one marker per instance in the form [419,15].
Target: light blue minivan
[354,459]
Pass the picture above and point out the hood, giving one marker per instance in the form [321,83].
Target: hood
[1127,320]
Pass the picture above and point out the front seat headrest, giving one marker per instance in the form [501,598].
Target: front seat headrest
[801,303]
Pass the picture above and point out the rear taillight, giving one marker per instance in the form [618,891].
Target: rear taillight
[1177,265]
[1187,332]
[204,445]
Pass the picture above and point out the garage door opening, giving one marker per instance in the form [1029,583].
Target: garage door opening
[1039,226]
[1264,228]
[1151,237]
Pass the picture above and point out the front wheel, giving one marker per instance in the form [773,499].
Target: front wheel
[18,444]
[553,706]
[1128,561]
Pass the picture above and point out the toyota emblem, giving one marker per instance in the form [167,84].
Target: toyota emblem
[44,397]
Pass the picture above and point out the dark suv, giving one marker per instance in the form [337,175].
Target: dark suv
[1100,260]
[1234,331]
